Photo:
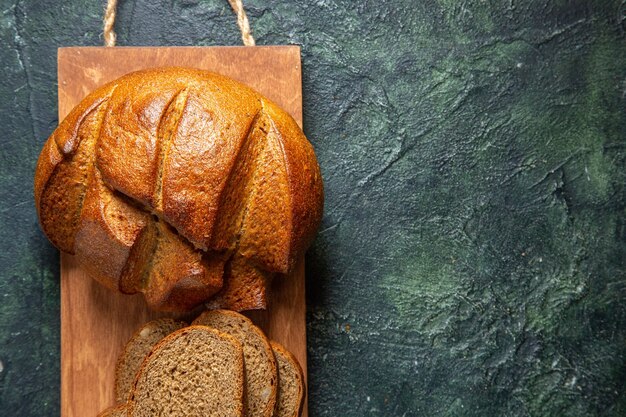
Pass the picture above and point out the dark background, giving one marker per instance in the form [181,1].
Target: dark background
[471,260]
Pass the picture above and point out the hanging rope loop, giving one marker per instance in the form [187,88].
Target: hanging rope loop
[237,6]
[109,23]
[242,22]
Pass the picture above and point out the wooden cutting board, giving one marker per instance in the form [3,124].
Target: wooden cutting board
[95,322]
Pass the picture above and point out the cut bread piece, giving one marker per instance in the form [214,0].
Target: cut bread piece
[195,371]
[180,276]
[260,365]
[245,287]
[290,396]
[120,410]
[109,236]
[136,351]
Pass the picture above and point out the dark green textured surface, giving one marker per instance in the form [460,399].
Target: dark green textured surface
[471,261]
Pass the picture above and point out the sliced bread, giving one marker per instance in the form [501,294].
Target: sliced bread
[136,351]
[196,371]
[290,383]
[260,364]
[120,410]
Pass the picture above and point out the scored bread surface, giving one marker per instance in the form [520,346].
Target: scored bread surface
[195,371]
[136,350]
[180,184]
[291,386]
[260,364]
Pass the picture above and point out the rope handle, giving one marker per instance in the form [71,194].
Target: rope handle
[236,5]
[109,23]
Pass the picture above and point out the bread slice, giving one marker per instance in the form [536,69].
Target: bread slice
[136,351]
[195,371]
[120,410]
[260,365]
[290,383]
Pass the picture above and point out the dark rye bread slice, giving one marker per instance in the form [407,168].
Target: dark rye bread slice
[120,410]
[260,365]
[290,383]
[195,371]
[136,350]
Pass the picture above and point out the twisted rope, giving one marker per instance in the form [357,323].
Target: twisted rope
[109,23]
[242,22]
[237,6]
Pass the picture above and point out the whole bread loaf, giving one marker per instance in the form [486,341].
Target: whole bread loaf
[183,185]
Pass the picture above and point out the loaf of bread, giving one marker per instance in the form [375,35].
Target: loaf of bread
[183,185]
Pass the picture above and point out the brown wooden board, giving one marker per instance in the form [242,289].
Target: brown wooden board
[96,322]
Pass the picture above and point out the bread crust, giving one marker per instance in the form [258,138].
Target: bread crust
[222,168]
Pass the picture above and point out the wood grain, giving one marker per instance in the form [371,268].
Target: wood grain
[95,322]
